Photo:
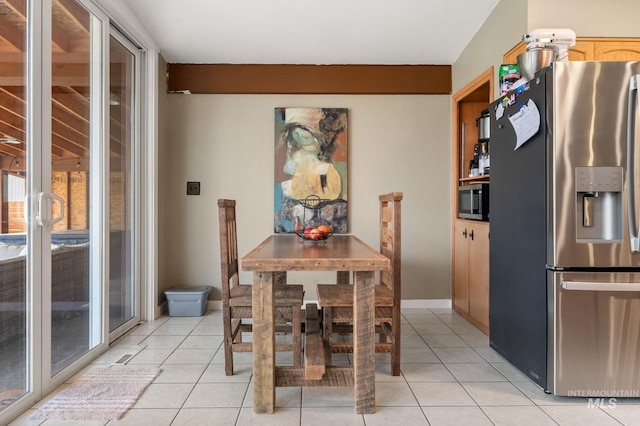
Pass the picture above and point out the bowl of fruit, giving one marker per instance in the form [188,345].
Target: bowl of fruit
[318,233]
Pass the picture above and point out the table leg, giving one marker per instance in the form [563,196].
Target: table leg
[264,354]
[364,364]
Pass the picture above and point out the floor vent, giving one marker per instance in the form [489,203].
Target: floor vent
[129,355]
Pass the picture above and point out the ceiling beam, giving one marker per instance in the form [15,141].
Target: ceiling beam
[310,79]
[12,104]
[59,36]
[13,74]
[19,7]
[76,13]
[74,142]
[60,39]
[71,101]
[12,34]
[11,151]
[12,132]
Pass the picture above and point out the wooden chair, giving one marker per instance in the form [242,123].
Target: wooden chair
[336,300]
[236,297]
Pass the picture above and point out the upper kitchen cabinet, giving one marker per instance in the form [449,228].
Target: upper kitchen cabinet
[617,50]
[468,104]
[591,49]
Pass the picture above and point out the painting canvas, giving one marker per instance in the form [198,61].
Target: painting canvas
[310,163]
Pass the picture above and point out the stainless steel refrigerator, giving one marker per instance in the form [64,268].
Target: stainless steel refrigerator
[564,260]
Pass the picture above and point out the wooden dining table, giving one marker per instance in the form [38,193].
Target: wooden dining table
[281,253]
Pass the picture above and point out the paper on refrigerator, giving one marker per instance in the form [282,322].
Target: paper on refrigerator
[525,122]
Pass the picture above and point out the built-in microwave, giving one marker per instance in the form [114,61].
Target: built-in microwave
[473,201]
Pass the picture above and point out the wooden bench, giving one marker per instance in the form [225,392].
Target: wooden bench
[314,363]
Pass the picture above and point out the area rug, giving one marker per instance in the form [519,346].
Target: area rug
[102,393]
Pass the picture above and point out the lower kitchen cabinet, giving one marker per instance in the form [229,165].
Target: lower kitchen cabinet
[471,272]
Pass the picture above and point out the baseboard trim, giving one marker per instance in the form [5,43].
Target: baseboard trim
[426,303]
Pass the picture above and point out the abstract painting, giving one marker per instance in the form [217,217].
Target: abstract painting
[310,163]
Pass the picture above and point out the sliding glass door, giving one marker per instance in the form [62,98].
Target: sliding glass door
[68,126]
[75,138]
[123,115]
[14,180]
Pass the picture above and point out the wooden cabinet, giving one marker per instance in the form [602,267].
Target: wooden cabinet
[471,272]
[582,51]
[617,50]
[478,241]
[591,49]
[470,239]
[468,104]
[460,267]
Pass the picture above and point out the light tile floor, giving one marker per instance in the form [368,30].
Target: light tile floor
[450,376]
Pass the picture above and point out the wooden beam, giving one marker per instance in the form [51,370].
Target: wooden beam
[59,35]
[71,139]
[72,103]
[12,34]
[67,138]
[9,118]
[60,38]
[13,104]
[12,132]
[19,7]
[76,13]
[10,150]
[309,79]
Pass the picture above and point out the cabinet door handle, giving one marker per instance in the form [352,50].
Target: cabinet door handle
[464,233]
[471,235]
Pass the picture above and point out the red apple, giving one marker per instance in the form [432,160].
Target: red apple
[315,234]
[307,232]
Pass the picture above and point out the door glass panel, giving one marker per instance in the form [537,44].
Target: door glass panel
[122,296]
[72,298]
[58,266]
[14,356]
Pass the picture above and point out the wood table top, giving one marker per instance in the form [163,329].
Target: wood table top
[287,252]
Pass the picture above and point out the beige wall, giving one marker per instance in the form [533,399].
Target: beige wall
[396,143]
[501,31]
[511,19]
[588,18]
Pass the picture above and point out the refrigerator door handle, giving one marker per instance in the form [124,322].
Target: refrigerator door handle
[599,286]
[634,241]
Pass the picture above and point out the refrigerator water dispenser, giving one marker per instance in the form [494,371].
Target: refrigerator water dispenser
[598,204]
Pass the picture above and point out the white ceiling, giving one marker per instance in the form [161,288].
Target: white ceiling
[312,32]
